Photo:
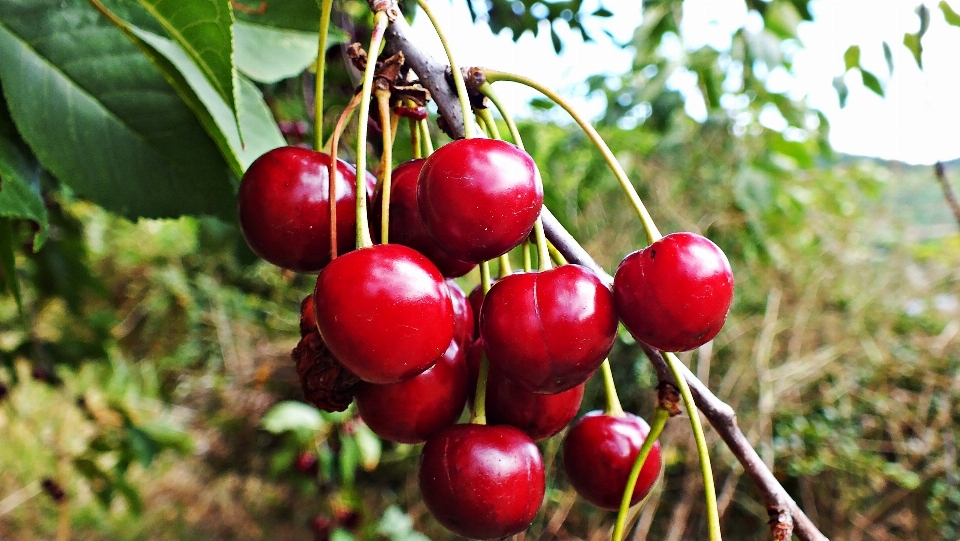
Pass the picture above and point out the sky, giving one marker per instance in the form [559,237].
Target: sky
[918,121]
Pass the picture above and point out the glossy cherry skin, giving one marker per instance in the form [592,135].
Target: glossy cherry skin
[384,312]
[412,410]
[476,302]
[406,227]
[463,318]
[674,294]
[548,331]
[479,198]
[598,453]
[284,211]
[482,481]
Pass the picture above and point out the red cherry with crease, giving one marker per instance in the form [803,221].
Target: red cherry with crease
[384,312]
[284,211]
[548,331]
[599,451]
[412,410]
[674,294]
[463,318]
[482,481]
[479,198]
[406,227]
[539,416]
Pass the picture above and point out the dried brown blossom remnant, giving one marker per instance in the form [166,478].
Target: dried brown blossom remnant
[326,383]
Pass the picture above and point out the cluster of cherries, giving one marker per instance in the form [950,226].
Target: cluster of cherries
[387,326]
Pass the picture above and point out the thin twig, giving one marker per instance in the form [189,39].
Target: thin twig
[948,193]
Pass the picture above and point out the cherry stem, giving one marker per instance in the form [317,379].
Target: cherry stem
[650,228]
[468,125]
[427,138]
[394,125]
[556,255]
[543,253]
[325,7]
[480,398]
[415,139]
[488,120]
[386,162]
[332,173]
[710,491]
[487,90]
[527,256]
[505,268]
[660,417]
[614,409]
[380,21]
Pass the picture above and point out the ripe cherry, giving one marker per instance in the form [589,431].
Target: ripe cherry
[674,294]
[384,312]
[539,416]
[463,319]
[599,451]
[406,227]
[412,410]
[481,481]
[548,331]
[476,302]
[284,210]
[479,198]
[308,321]
[307,463]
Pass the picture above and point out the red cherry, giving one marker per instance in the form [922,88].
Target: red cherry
[539,416]
[384,312]
[598,453]
[481,481]
[414,409]
[463,318]
[307,463]
[476,302]
[284,211]
[308,321]
[548,331]
[674,294]
[406,227]
[479,198]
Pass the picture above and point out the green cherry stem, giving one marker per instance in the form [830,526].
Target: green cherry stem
[488,120]
[480,398]
[487,90]
[527,256]
[332,174]
[543,253]
[325,7]
[505,268]
[363,228]
[710,491]
[468,125]
[415,144]
[427,138]
[660,417]
[614,409]
[653,234]
[386,161]
[556,255]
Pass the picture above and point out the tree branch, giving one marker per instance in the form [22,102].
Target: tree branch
[786,516]
[948,194]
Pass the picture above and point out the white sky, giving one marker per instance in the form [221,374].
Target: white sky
[917,122]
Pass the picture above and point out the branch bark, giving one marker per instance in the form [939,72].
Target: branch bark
[948,193]
[786,515]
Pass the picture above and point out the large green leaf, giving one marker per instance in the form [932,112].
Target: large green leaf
[19,180]
[204,29]
[99,116]
[268,54]
[291,14]
[949,14]
[8,264]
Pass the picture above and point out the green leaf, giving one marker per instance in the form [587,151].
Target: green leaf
[8,267]
[267,54]
[101,118]
[912,42]
[851,57]
[292,415]
[782,19]
[20,180]
[301,15]
[144,448]
[204,29]
[924,13]
[888,56]
[602,12]
[168,437]
[842,91]
[870,81]
[370,447]
[952,17]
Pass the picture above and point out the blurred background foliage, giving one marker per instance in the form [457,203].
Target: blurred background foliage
[146,388]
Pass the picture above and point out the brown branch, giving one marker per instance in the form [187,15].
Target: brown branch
[785,514]
[948,193]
